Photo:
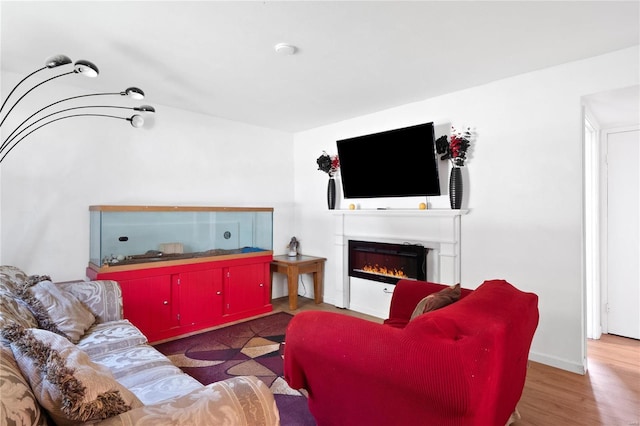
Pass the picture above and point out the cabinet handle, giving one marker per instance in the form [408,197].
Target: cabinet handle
[384,290]
[261,285]
[166,302]
[218,293]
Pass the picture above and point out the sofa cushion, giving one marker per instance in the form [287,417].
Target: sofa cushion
[56,310]
[110,336]
[65,381]
[102,297]
[239,401]
[147,373]
[437,300]
[18,404]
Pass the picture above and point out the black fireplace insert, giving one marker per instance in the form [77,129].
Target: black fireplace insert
[387,262]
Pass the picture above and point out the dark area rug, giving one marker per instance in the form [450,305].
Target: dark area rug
[253,348]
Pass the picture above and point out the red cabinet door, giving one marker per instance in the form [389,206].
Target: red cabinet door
[147,303]
[245,288]
[200,296]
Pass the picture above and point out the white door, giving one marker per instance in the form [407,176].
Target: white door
[623,244]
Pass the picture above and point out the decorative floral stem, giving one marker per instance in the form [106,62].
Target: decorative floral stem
[455,148]
[328,163]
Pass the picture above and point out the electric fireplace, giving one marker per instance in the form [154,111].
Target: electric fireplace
[386,262]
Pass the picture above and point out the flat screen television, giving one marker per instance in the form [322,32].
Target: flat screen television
[394,163]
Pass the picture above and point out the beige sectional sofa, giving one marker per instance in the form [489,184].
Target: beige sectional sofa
[68,357]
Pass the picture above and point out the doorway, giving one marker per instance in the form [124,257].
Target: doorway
[611,213]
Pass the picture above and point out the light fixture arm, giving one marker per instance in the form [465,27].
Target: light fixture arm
[131,119]
[30,90]
[52,62]
[16,86]
[84,67]
[55,103]
[11,137]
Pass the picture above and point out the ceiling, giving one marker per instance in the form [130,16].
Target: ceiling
[353,58]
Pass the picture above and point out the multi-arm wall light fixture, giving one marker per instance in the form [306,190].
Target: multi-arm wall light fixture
[38,119]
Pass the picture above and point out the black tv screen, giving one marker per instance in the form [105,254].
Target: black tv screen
[395,163]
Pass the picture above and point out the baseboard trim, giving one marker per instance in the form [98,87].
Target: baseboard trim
[556,362]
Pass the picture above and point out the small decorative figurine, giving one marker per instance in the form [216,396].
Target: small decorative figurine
[293,247]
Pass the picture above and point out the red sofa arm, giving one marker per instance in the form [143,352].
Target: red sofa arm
[406,296]
[349,365]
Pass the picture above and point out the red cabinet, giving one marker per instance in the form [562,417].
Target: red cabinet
[169,301]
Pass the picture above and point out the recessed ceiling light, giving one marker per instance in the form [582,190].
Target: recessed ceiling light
[285,49]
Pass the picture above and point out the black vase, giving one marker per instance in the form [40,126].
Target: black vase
[331,193]
[455,188]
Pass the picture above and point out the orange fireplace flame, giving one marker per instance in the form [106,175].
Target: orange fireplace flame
[383,270]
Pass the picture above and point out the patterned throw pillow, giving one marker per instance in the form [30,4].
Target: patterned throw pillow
[18,405]
[67,384]
[55,309]
[13,309]
[11,277]
[437,300]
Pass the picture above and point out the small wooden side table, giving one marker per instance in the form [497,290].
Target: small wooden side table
[293,267]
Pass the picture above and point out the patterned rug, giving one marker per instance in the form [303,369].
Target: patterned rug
[252,348]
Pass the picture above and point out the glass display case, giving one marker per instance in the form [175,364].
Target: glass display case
[132,235]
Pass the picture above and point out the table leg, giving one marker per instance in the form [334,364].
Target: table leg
[292,281]
[271,289]
[318,278]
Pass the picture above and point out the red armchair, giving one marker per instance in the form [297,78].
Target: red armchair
[464,364]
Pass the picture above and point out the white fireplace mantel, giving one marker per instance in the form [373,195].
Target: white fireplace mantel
[436,229]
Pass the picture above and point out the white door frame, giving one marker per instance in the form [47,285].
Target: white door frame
[591,226]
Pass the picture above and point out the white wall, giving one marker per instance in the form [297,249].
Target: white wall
[180,158]
[523,185]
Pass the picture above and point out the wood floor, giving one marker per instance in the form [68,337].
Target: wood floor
[608,395]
